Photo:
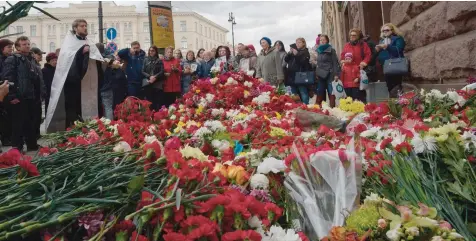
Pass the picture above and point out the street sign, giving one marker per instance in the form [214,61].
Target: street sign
[111,33]
[112,47]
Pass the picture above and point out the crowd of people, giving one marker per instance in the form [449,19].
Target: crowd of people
[162,78]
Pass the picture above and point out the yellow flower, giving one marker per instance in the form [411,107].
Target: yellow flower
[220,168]
[241,177]
[180,126]
[278,116]
[199,109]
[168,132]
[192,152]
[277,132]
[197,91]
[232,171]
[246,93]
[240,116]
[266,117]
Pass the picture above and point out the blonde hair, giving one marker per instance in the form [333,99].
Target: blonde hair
[302,40]
[357,31]
[392,27]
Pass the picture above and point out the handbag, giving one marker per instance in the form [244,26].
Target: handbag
[304,77]
[396,66]
[322,73]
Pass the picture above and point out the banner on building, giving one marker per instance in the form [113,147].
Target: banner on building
[162,27]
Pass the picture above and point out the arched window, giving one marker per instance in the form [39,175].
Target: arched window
[147,44]
[52,47]
[183,43]
[128,43]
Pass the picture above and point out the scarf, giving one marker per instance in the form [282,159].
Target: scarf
[322,47]
[355,42]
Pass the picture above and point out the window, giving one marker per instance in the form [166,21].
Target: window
[52,47]
[93,29]
[183,43]
[201,29]
[147,43]
[196,29]
[146,27]
[61,28]
[129,26]
[196,43]
[183,26]
[205,32]
[209,33]
[19,29]
[7,30]
[214,36]
[206,45]
[201,44]
[54,29]
[33,30]
[128,43]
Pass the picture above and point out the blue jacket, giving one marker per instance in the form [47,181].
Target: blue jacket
[204,68]
[134,65]
[394,50]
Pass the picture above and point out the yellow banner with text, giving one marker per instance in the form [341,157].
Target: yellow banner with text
[162,27]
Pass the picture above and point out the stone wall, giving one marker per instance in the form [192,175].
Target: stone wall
[440,37]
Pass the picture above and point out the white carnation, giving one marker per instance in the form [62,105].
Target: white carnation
[263,98]
[202,131]
[259,181]
[248,84]
[215,125]
[122,146]
[221,145]
[150,139]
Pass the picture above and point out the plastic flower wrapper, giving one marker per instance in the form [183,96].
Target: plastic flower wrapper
[324,188]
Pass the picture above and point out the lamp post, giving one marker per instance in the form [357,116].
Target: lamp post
[101,28]
[231,19]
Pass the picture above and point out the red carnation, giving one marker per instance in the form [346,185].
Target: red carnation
[241,235]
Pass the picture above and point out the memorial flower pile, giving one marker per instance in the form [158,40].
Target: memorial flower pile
[213,166]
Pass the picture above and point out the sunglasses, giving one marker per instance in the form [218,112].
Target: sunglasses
[385,30]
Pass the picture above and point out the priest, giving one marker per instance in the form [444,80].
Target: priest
[74,91]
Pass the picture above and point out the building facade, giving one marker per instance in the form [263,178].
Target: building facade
[191,30]
[440,36]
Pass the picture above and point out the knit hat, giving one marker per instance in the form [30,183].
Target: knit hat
[251,47]
[51,56]
[266,39]
[348,55]
[4,43]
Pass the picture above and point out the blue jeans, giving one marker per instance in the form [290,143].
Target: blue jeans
[107,101]
[302,91]
[134,89]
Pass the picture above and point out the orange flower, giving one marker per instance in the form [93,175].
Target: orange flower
[232,171]
[242,177]
[338,234]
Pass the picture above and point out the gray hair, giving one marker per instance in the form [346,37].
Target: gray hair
[76,24]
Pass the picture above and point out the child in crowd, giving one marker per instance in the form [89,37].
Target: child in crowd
[350,78]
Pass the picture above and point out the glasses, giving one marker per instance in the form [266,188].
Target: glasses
[385,30]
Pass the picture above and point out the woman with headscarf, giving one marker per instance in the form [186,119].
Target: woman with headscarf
[190,68]
[223,55]
[247,61]
[391,46]
[153,71]
[328,63]
[270,64]
[172,72]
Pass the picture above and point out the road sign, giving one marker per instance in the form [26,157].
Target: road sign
[111,46]
[111,33]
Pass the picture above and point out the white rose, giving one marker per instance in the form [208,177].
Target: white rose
[259,181]
[394,235]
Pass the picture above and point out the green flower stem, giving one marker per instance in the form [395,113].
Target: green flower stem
[7,224]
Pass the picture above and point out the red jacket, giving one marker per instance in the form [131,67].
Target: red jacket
[349,73]
[356,51]
[172,82]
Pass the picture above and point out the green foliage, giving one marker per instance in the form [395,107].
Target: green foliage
[363,219]
[17,11]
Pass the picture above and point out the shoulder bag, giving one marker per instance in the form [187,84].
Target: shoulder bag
[304,78]
[396,66]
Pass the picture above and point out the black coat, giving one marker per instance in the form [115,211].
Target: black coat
[72,85]
[25,75]
[117,80]
[328,60]
[297,63]
[154,67]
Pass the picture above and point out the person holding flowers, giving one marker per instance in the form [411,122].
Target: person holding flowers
[270,64]
[223,54]
[172,72]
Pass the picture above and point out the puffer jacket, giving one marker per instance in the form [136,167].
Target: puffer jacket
[187,79]
[205,68]
[270,66]
[22,71]
[153,66]
[328,60]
